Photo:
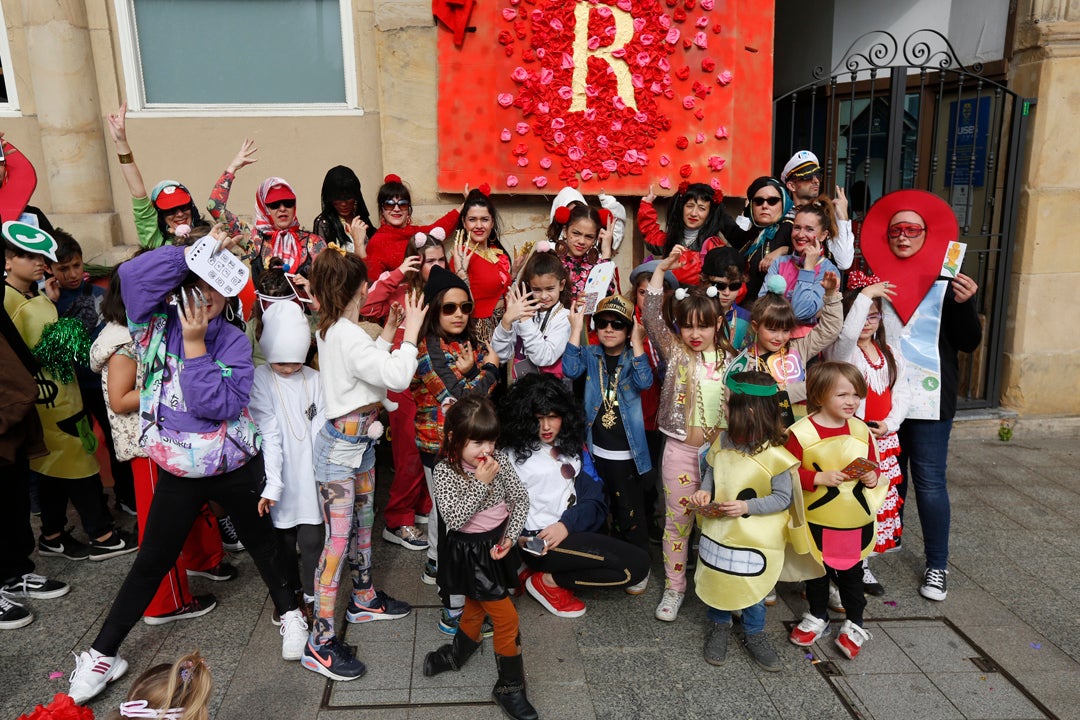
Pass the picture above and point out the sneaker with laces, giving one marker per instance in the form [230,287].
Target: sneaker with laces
[638,588]
[229,539]
[807,632]
[430,576]
[332,660]
[383,607]
[118,543]
[93,671]
[870,584]
[716,643]
[294,634]
[199,606]
[933,584]
[448,621]
[63,546]
[558,601]
[761,651]
[851,639]
[221,572]
[407,536]
[35,586]
[670,602]
[13,615]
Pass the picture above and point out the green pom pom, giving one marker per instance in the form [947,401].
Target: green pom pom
[63,345]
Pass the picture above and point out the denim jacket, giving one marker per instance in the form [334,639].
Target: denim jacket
[636,376]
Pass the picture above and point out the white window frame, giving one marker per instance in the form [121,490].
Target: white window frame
[11,107]
[136,87]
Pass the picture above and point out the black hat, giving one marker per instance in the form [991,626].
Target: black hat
[442,279]
[718,260]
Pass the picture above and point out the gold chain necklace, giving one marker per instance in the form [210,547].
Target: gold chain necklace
[607,420]
[709,431]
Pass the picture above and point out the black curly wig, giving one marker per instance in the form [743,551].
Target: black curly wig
[540,394]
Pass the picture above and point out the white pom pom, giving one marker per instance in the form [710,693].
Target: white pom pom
[182,230]
[681,294]
[419,239]
[438,233]
[544,246]
[375,430]
[711,291]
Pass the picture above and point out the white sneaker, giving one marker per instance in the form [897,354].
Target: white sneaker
[770,599]
[851,639]
[638,588]
[835,603]
[668,609]
[294,635]
[807,632]
[92,674]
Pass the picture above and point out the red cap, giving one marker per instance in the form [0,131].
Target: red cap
[172,197]
[279,192]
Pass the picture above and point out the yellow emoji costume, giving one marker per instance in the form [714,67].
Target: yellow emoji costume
[740,558]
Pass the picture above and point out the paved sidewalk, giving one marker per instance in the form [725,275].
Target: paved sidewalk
[1006,643]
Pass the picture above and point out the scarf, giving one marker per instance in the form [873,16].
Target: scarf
[284,244]
[768,232]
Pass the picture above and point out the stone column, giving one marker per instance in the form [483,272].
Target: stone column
[69,117]
[1042,344]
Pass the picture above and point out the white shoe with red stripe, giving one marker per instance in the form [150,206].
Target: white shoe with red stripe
[92,673]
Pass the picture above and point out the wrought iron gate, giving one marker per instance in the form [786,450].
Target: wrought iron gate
[895,115]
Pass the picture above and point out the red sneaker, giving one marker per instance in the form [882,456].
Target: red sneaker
[557,600]
[808,631]
[851,639]
[523,577]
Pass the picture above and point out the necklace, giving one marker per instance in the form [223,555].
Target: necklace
[881,357]
[607,420]
[309,412]
[710,430]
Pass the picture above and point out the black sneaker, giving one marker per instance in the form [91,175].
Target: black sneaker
[118,543]
[13,615]
[333,660]
[199,606]
[933,585]
[219,573]
[63,546]
[383,607]
[430,576]
[229,539]
[35,586]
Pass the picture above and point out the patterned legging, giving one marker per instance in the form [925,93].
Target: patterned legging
[682,478]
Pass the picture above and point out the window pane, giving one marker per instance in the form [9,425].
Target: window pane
[241,51]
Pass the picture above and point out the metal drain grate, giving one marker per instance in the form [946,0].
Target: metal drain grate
[933,664]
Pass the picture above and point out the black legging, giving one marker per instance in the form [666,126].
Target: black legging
[589,560]
[177,502]
[626,498]
[848,582]
[300,571]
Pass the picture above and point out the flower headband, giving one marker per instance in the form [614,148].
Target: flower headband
[858,279]
[562,215]
[142,709]
[391,178]
[683,293]
[717,196]
[741,388]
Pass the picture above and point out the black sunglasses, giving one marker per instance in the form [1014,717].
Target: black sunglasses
[725,286]
[451,308]
[770,201]
[397,202]
[278,204]
[613,323]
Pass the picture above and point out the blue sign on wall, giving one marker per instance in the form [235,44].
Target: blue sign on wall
[968,137]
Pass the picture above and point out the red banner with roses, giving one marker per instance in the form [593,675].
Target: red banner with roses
[607,94]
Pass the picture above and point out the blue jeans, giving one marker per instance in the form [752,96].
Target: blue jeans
[924,450]
[753,618]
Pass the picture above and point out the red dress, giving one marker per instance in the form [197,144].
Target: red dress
[889,529]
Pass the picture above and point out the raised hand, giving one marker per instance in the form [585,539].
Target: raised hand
[118,126]
[244,157]
[607,235]
[490,356]
[466,361]
[637,338]
[463,253]
[410,265]
[358,232]
[812,254]
[520,305]
[880,290]
[577,320]
[651,197]
[415,312]
[964,288]
[831,283]
[840,204]
[673,260]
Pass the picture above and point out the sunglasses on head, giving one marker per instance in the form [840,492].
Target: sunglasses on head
[723,286]
[451,308]
[613,323]
[770,201]
[396,202]
[908,230]
[278,204]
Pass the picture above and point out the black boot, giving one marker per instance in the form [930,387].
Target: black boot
[451,656]
[509,692]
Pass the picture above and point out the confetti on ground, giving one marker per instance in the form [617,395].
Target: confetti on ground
[56,675]
[890,603]
[1036,646]
[809,656]
[814,662]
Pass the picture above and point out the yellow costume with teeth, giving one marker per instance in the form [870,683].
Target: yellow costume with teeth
[740,558]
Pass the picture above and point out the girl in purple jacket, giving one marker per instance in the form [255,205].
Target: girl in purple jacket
[196,427]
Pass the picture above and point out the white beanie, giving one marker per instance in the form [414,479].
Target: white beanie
[286,335]
[566,196]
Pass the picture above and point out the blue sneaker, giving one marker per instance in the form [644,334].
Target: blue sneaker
[333,660]
[383,608]
[448,624]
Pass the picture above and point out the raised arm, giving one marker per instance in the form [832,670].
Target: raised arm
[117,122]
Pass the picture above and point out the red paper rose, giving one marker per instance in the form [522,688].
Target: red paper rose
[682,142]
[685,171]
